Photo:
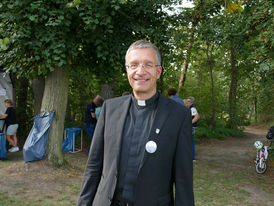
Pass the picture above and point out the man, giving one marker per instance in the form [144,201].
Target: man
[11,124]
[172,93]
[99,103]
[90,117]
[195,118]
[142,143]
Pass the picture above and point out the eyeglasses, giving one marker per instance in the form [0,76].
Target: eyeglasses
[145,66]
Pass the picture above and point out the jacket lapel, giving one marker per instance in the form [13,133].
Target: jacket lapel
[159,120]
[120,120]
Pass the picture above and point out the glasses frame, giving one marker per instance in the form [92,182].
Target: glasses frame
[142,65]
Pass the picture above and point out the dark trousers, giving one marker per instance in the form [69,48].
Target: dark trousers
[193,143]
[121,204]
[116,202]
[90,130]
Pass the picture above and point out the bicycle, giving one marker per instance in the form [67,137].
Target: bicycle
[262,155]
[263,152]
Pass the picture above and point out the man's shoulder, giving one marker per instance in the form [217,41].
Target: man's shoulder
[9,109]
[91,104]
[117,100]
[175,105]
[194,110]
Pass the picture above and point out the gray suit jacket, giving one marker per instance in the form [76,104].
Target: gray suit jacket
[171,163]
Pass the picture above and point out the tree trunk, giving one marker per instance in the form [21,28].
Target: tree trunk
[233,88]
[55,99]
[250,112]
[21,110]
[107,90]
[210,65]
[38,86]
[186,60]
[68,112]
[255,109]
[161,84]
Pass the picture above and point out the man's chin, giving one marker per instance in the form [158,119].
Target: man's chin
[139,89]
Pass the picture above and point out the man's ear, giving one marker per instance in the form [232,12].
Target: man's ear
[159,71]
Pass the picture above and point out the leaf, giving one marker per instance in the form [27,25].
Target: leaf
[32,18]
[4,47]
[96,21]
[6,40]
[56,58]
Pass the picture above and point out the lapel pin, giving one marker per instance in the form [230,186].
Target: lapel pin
[157,131]
[151,147]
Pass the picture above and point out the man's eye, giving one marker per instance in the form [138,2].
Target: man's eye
[133,66]
[148,66]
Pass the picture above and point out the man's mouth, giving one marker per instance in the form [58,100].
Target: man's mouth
[141,81]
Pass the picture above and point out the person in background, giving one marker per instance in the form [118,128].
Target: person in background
[11,124]
[195,118]
[141,149]
[99,103]
[125,93]
[172,93]
[90,117]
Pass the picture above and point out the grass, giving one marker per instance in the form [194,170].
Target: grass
[214,185]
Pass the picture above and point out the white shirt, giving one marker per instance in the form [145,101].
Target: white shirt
[193,111]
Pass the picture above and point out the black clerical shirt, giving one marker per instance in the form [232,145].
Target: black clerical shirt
[135,134]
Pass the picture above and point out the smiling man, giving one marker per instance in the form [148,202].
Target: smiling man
[141,151]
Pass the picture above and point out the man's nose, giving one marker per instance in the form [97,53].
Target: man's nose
[140,69]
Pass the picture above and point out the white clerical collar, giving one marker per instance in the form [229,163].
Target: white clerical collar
[145,103]
[141,102]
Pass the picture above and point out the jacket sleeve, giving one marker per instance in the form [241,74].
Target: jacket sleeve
[183,169]
[94,165]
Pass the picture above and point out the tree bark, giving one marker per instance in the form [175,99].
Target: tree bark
[55,99]
[255,109]
[233,88]
[210,65]
[186,60]
[38,86]
[250,112]
[68,112]
[21,110]
[107,90]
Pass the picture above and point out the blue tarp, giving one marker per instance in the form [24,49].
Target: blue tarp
[3,152]
[68,142]
[36,143]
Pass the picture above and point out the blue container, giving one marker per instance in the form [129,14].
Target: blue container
[68,142]
[3,151]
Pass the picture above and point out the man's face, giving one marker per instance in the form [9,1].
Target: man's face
[143,80]
[188,103]
[7,104]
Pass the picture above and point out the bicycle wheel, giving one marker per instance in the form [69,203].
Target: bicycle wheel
[261,170]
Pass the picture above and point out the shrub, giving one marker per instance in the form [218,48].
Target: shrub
[218,133]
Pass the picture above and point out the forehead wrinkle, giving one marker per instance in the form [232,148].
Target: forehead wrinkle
[138,58]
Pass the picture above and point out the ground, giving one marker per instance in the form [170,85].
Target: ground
[236,155]
[224,174]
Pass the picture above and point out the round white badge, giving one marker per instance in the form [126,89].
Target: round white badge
[151,147]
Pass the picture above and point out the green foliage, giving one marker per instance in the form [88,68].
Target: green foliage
[87,38]
[90,38]
[259,28]
[48,34]
[217,132]
[3,43]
